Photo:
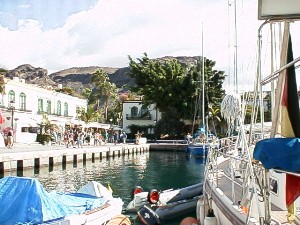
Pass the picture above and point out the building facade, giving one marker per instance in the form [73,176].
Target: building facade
[134,113]
[25,106]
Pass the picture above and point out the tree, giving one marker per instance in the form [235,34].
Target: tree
[162,83]
[105,93]
[90,115]
[69,91]
[175,88]
[214,116]
[86,93]
[2,82]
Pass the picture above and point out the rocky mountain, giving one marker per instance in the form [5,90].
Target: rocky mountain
[79,77]
[31,75]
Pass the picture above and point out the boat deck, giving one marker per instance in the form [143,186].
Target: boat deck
[224,186]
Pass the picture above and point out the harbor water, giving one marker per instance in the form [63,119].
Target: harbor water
[160,170]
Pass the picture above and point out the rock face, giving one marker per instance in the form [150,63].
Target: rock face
[31,75]
[79,77]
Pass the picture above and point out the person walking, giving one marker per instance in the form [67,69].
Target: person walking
[66,138]
[124,137]
[80,139]
[115,138]
[10,138]
[70,139]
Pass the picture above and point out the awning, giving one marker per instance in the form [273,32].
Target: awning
[2,119]
[98,125]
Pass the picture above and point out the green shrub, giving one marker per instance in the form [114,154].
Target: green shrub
[43,138]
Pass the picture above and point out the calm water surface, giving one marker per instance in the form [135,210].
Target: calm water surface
[159,170]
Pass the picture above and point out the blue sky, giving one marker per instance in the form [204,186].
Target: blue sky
[59,34]
[51,13]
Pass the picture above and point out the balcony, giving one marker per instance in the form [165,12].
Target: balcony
[138,117]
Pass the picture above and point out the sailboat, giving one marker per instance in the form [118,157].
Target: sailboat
[202,140]
[254,179]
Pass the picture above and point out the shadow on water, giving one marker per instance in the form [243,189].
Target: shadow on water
[159,170]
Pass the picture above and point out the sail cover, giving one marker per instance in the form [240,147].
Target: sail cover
[279,153]
[24,201]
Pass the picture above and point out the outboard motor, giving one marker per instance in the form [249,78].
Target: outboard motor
[147,216]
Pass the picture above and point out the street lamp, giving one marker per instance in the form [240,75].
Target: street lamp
[12,108]
[155,129]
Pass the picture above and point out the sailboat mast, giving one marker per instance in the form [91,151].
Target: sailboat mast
[203,83]
[235,50]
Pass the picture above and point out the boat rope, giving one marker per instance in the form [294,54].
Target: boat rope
[230,109]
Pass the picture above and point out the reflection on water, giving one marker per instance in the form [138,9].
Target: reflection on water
[159,170]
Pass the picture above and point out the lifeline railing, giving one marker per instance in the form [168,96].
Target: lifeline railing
[212,168]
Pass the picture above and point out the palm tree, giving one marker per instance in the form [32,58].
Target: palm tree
[90,115]
[2,82]
[214,115]
[106,92]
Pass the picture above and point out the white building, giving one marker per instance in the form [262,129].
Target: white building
[134,113]
[23,106]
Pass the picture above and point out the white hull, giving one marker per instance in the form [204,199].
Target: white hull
[95,217]
[224,199]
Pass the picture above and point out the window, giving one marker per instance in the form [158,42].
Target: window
[134,111]
[40,106]
[66,109]
[11,96]
[58,108]
[22,101]
[144,111]
[273,185]
[48,110]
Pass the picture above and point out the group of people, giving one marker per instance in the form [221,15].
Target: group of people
[73,137]
[78,137]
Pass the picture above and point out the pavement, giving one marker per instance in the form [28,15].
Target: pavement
[29,147]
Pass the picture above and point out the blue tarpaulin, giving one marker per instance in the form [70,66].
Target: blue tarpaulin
[279,153]
[24,201]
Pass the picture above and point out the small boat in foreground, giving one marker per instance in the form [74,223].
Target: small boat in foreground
[168,203]
[24,201]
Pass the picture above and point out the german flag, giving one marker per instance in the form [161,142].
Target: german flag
[290,117]
[290,125]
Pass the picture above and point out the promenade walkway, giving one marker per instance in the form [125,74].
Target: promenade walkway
[36,155]
[23,147]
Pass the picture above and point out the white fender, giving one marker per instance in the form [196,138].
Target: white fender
[201,209]
[210,219]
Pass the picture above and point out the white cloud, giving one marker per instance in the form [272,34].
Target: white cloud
[107,33]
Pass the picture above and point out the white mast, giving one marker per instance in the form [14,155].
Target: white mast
[235,50]
[203,83]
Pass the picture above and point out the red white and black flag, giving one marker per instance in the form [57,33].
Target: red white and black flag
[290,123]
[290,117]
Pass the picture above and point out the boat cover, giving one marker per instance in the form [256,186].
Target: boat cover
[279,153]
[24,201]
